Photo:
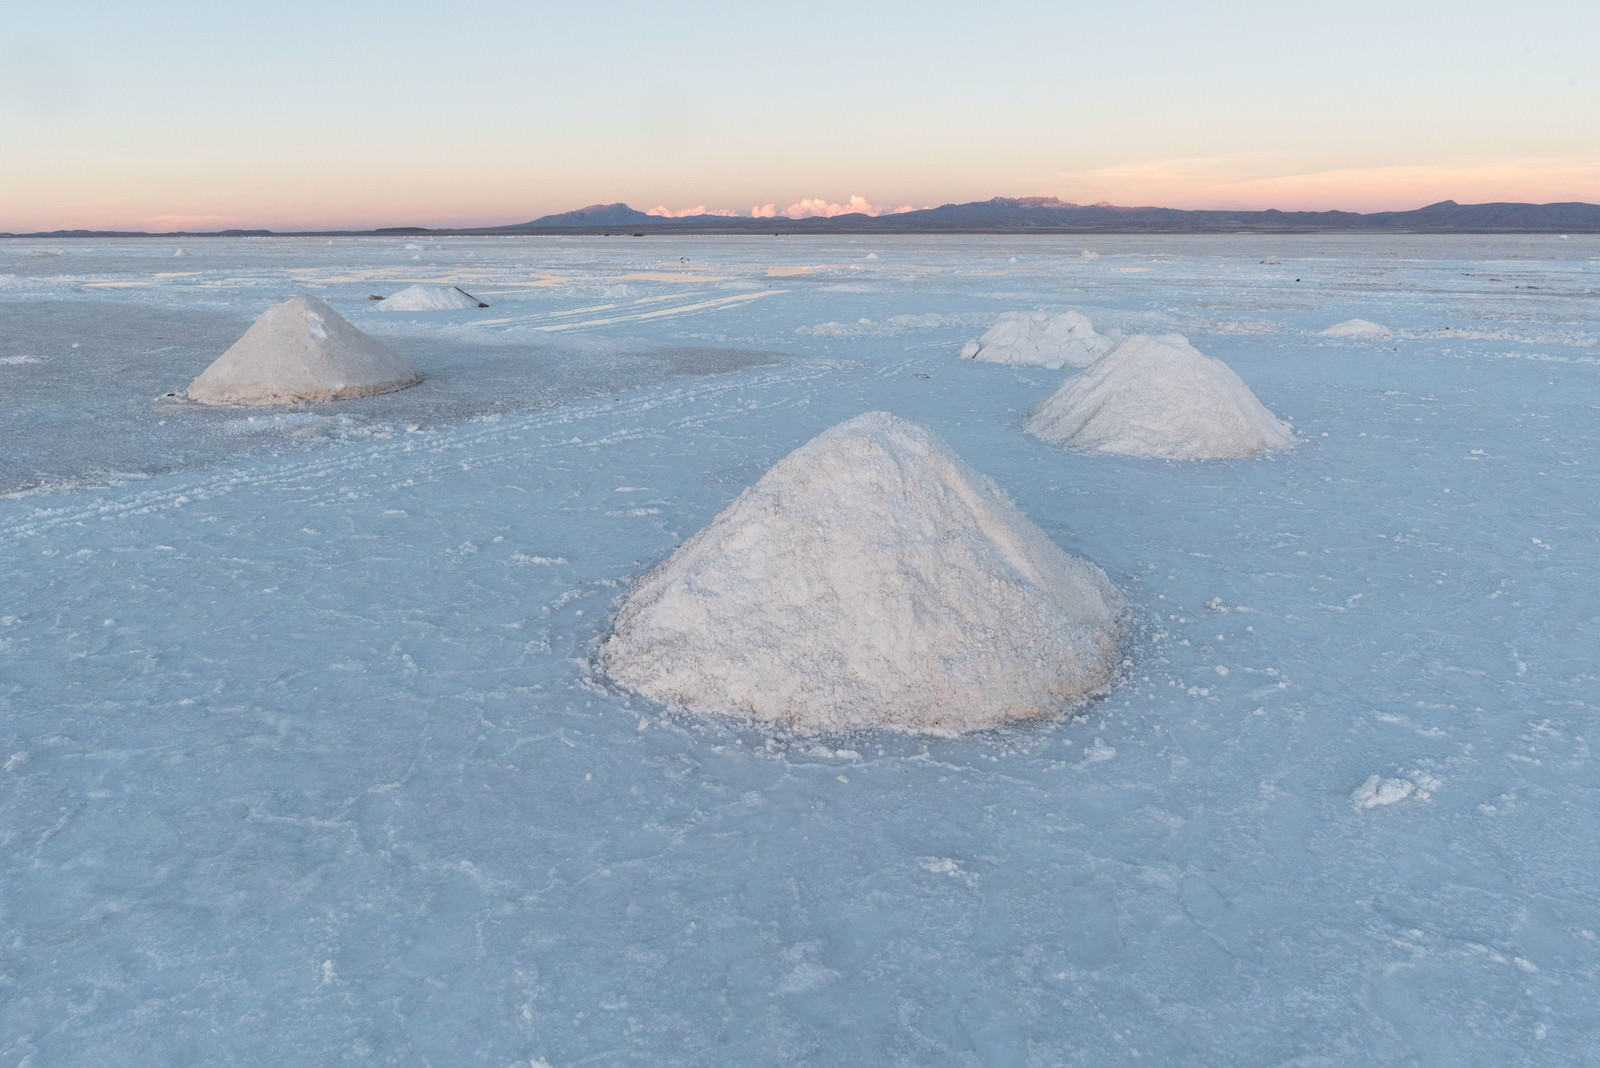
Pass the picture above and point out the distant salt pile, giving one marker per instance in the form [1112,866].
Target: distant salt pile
[1052,341]
[432,298]
[869,579]
[301,350]
[1358,328]
[1157,396]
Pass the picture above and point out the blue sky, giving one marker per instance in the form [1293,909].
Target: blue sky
[186,114]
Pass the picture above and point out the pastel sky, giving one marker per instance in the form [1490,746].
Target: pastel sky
[190,114]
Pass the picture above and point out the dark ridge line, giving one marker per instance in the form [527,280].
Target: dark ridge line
[999,215]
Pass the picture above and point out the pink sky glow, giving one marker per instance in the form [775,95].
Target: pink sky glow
[154,117]
[1227,182]
[1223,182]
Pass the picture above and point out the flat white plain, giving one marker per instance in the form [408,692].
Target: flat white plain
[304,757]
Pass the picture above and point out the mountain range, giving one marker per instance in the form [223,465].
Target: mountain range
[1049,213]
[1011,214]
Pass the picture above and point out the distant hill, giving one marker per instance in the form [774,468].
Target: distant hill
[1009,214]
[597,215]
[1048,213]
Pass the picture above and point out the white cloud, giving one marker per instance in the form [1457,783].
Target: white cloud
[805,208]
[819,207]
[680,213]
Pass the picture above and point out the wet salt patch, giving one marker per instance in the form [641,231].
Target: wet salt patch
[1248,326]
[893,326]
[264,424]
[1543,357]
[13,361]
[1571,340]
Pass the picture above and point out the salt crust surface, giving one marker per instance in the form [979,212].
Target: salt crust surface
[1378,791]
[304,690]
[1052,341]
[301,350]
[870,579]
[1157,396]
[430,298]
[1358,328]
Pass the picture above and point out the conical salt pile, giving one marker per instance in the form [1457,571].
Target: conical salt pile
[301,350]
[1358,328]
[1157,396]
[431,298]
[1052,341]
[870,579]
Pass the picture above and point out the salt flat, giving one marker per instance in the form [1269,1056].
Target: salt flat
[305,757]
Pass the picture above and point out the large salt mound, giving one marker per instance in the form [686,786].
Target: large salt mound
[1157,396]
[431,298]
[869,579]
[1358,328]
[1052,341]
[301,350]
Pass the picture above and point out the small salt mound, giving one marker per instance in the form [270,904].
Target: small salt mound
[1358,328]
[1051,341]
[301,350]
[1157,396]
[869,579]
[431,298]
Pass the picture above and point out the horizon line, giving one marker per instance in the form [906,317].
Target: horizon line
[702,216]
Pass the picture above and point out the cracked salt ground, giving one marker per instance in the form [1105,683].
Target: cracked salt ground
[304,757]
